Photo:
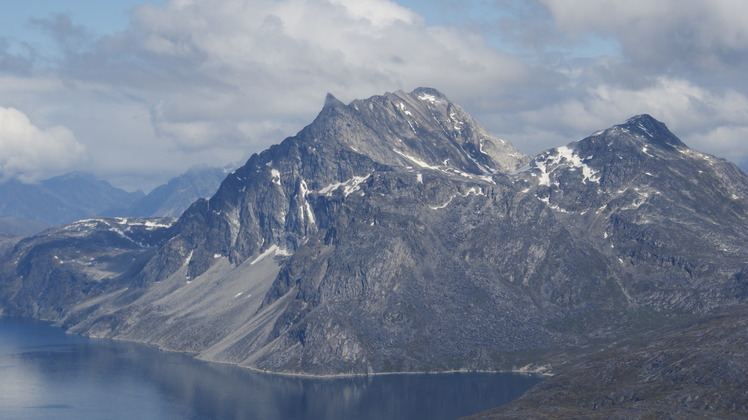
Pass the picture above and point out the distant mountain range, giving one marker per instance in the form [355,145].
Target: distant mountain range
[395,234]
[30,208]
[63,199]
[173,198]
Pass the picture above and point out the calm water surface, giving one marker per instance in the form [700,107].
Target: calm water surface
[46,374]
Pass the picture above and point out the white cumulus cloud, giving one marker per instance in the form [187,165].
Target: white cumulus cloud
[707,120]
[29,153]
[232,67]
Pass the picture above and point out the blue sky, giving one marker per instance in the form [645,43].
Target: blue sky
[99,17]
[137,92]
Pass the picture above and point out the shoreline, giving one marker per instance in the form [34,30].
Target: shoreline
[544,371]
[363,375]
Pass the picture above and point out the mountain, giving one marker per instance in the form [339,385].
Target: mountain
[62,199]
[30,208]
[174,197]
[695,371]
[395,234]
[70,263]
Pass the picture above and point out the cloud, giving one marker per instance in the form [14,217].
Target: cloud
[684,37]
[29,153]
[727,141]
[220,71]
[191,82]
[707,120]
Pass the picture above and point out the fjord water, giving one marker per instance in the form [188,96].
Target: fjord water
[45,374]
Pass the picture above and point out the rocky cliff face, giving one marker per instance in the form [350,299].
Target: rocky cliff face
[395,234]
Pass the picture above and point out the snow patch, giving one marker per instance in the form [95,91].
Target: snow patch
[275,177]
[150,225]
[303,189]
[428,98]
[411,126]
[271,250]
[350,186]
[471,191]
[309,213]
[644,129]
[415,160]
[283,252]
[547,200]
[457,124]
[565,156]
[544,179]
[404,109]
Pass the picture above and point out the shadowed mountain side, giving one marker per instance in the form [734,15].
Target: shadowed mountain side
[698,370]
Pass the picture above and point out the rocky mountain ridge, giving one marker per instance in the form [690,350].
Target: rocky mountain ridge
[395,234]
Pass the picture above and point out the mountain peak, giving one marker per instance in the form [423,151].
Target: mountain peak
[428,94]
[652,129]
[331,100]
[422,129]
[643,119]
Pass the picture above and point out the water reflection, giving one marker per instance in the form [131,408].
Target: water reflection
[47,374]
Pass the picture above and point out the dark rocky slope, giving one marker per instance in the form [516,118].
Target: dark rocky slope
[695,371]
[52,271]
